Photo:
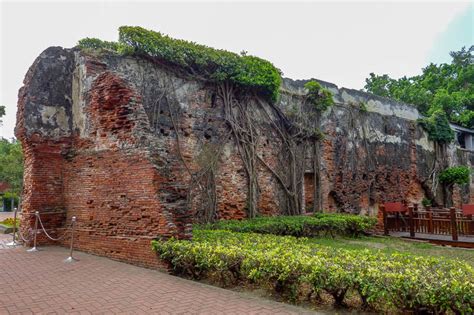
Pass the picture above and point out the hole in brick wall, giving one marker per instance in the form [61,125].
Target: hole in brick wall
[333,201]
[213,100]
[208,134]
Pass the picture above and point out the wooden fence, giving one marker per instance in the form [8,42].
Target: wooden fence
[437,221]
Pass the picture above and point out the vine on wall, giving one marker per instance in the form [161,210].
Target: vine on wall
[240,81]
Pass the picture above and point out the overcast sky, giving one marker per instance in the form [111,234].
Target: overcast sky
[339,42]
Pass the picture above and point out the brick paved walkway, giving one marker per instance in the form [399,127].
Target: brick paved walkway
[33,283]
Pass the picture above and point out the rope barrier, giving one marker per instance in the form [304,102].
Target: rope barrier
[68,229]
[49,236]
[23,238]
[34,249]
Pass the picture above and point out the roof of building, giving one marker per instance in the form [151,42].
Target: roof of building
[460,128]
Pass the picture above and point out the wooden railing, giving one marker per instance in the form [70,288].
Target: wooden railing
[437,221]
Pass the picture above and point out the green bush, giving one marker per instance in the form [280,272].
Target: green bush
[426,202]
[292,266]
[320,97]
[437,126]
[455,175]
[247,72]
[309,226]
[95,43]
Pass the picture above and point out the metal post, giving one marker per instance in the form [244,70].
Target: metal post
[71,259]
[385,220]
[13,242]
[411,221]
[34,249]
[454,228]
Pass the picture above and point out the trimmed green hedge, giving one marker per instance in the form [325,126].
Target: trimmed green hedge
[309,226]
[215,65]
[300,269]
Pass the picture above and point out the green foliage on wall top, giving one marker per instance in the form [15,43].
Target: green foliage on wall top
[247,72]
[95,43]
[319,96]
[438,128]
[455,175]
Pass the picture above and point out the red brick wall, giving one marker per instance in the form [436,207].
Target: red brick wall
[127,179]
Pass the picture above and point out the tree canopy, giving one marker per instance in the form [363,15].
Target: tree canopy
[11,164]
[445,87]
[2,113]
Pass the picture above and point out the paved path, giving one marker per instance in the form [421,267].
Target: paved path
[5,215]
[35,283]
[463,241]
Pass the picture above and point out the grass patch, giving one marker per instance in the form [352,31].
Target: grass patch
[9,222]
[392,245]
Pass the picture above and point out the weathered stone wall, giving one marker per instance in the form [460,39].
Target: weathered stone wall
[119,142]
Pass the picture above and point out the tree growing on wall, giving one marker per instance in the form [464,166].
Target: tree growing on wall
[238,81]
[443,93]
[453,175]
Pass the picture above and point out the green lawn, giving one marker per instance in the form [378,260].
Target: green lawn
[390,245]
[9,223]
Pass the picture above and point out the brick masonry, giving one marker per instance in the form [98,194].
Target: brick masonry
[100,142]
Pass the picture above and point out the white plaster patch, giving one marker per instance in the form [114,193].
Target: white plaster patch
[55,116]
[378,107]
[425,143]
[348,98]
[375,135]
[405,112]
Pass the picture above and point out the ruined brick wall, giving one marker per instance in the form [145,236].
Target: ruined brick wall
[374,151]
[119,142]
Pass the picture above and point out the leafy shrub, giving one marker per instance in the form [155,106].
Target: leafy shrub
[438,128]
[9,222]
[317,225]
[289,265]
[319,96]
[95,43]
[426,202]
[455,175]
[247,72]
